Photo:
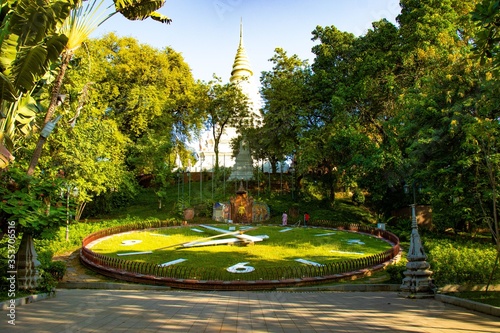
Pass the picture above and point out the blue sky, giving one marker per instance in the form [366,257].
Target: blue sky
[206,32]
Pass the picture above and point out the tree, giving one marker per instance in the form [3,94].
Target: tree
[78,27]
[223,106]
[440,100]
[34,35]
[30,43]
[149,93]
[371,97]
[143,88]
[284,90]
[90,156]
[354,92]
[483,133]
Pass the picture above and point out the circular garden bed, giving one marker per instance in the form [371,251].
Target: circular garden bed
[232,257]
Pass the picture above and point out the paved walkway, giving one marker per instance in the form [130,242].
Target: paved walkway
[185,311]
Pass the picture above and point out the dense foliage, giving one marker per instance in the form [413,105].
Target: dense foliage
[38,41]
[413,104]
[409,104]
[461,262]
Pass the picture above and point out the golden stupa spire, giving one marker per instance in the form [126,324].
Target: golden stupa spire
[241,66]
[241,33]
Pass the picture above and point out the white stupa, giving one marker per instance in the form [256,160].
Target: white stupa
[241,75]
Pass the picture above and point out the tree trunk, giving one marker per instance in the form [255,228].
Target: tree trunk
[495,266]
[79,211]
[66,57]
[216,152]
[36,155]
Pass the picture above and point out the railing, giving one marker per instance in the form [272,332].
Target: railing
[211,278]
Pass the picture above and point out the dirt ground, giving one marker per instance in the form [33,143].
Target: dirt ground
[76,272]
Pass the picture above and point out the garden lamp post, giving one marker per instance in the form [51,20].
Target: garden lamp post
[213,177]
[292,170]
[202,159]
[189,185]
[183,172]
[269,176]
[281,178]
[71,190]
[178,184]
[224,176]
[417,281]
[258,178]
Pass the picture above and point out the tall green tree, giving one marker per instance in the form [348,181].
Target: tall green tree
[150,93]
[452,107]
[147,93]
[439,101]
[354,91]
[29,44]
[90,157]
[331,66]
[483,132]
[82,21]
[284,91]
[224,106]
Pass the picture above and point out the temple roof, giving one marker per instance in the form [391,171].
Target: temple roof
[241,66]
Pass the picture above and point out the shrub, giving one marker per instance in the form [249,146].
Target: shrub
[401,228]
[57,244]
[204,209]
[110,201]
[358,197]
[57,269]
[460,262]
[47,283]
[324,214]
[396,271]
[41,207]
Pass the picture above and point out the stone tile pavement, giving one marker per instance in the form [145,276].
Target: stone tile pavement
[78,310]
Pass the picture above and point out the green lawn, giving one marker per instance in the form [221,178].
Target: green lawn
[281,248]
[490,297]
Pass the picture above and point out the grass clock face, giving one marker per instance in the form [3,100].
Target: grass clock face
[239,249]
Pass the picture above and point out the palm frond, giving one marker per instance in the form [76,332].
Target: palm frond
[82,22]
[26,113]
[29,21]
[30,67]
[141,9]
[8,53]
[19,117]
[7,90]
[55,45]
[160,18]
